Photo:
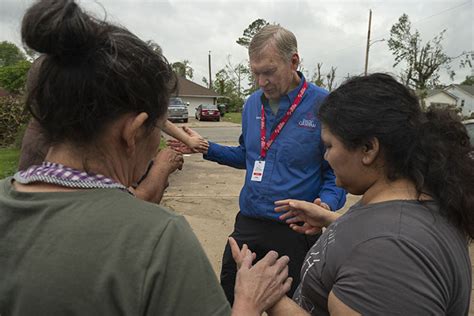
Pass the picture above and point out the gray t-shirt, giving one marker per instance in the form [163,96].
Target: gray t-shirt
[100,252]
[390,258]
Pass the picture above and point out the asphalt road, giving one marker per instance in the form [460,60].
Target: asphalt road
[218,132]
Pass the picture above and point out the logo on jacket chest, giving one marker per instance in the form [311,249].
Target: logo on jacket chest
[309,121]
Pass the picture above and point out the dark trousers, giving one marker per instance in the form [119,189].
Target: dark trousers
[262,236]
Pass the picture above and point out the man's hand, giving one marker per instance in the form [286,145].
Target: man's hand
[239,254]
[260,286]
[318,201]
[313,216]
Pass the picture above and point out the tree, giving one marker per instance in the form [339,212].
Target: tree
[317,78]
[237,73]
[227,83]
[10,54]
[422,62]
[183,69]
[330,77]
[250,31]
[469,80]
[13,67]
[324,80]
[13,77]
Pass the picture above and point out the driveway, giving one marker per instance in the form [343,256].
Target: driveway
[207,194]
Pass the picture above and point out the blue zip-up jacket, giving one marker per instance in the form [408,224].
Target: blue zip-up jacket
[294,165]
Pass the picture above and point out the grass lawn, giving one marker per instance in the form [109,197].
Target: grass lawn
[233,117]
[8,161]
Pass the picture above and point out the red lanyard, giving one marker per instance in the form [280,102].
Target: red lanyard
[264,145]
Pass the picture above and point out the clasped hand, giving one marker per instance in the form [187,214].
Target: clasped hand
[195,143]
[259,286]
[314,216]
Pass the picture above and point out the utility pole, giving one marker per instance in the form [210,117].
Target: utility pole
[210,78]
[368,44]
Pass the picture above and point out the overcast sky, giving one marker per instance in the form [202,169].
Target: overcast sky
[330,32]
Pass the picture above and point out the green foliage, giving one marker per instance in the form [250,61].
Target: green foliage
[183,69]
[10,54]
[228,84]
[250,31]
[8,161]
[469,80]
[13,77]
[12,119]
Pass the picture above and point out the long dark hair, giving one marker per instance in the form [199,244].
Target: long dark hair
[431,148]
[92,72]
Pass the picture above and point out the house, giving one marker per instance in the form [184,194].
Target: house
[465,95]
[440,97]
[460,96]
[195,94]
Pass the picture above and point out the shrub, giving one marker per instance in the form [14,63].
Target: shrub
[13,118]
[13,77]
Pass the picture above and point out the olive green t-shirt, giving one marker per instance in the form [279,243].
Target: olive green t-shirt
[100,252]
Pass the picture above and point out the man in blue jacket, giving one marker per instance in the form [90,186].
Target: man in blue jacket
[281,149]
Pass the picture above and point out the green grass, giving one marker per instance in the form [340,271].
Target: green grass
[8,161]
[233,117]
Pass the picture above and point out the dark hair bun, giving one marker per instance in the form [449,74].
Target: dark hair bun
[58,27]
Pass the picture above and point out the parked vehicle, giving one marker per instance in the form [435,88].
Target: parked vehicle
[470,129]
[177,110]
[208,112]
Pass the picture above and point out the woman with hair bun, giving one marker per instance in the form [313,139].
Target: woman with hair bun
[74,239]
[403,248]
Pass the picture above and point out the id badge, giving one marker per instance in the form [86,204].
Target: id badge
[257,172]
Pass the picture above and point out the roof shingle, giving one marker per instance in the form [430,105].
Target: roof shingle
[187,88]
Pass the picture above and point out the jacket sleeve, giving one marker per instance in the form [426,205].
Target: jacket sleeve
[330,194]
[233,156]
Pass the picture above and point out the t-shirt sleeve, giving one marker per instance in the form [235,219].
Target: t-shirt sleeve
[389,276]
[179,278]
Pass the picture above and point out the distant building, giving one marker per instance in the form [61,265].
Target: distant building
[460,96]
[195,94]
[465,95]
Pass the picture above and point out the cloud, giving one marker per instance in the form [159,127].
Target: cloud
[333,33]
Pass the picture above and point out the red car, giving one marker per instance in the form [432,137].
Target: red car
[208,112]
